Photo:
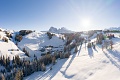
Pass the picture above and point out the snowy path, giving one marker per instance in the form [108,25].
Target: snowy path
[87,64]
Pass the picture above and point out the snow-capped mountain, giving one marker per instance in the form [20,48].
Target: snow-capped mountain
[113,28]
[52,29]
[60,30]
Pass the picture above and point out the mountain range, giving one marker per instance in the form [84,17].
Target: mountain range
[60,30]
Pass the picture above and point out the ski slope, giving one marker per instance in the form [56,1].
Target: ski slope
[87,64]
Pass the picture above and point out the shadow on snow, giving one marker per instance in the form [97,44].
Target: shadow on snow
[48,73]
[114,54]
[72,58]
[90,52]
[79,50]
[64,72]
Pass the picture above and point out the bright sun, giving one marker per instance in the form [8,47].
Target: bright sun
[86,22]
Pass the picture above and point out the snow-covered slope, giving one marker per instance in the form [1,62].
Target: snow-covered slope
[60,30]
[33,42]
[9,49]
[87,64]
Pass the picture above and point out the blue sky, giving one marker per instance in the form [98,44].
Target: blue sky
[75,15]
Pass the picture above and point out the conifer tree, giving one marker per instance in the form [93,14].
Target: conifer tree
[53,60]
[43,67]
[2,77]
[19,75]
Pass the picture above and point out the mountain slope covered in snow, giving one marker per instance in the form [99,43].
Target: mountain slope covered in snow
[33,42]
[8,48]
[86,64]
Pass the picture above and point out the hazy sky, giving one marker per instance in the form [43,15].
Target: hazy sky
[75,15]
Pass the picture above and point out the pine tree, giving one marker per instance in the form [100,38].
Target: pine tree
[13,61]
[2,77]
[62,56]
[43,67]
[39,65]
[35,57]
[35,65]
[1,60]
[24,50]
[67,55]
[19,75]
[17,60]
[4,61]
[76,49]
[53,60]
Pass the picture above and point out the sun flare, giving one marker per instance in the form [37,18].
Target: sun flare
[86,22]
